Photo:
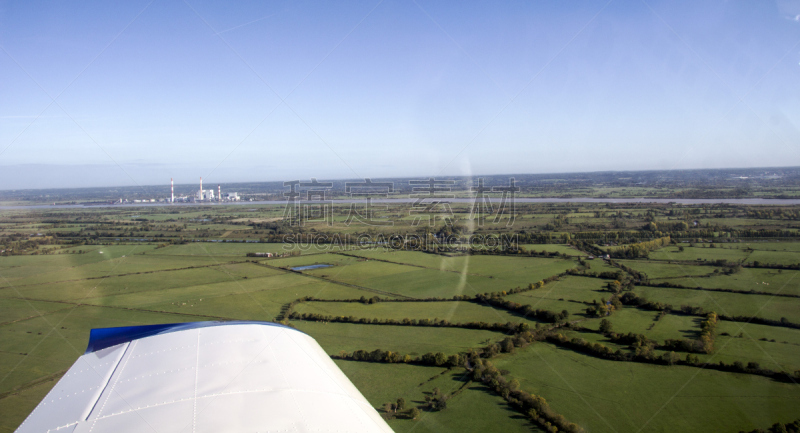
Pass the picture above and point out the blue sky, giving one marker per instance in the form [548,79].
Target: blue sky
[283,90]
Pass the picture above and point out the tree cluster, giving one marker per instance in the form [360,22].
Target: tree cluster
[792,427]
[533,406]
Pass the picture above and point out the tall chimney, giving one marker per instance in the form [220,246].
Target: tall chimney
[219,193]
[201,189]
[172,189]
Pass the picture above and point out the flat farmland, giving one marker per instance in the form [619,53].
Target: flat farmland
[460,312]
[223,249]
[537,301]
[486,265]
[423,282]
[669,326]
[151,283]
[776,356]
[53,294]
[120,265]
[406,340]
[722,252]
[657,270]
[733,304]
[609,396]
[748,279]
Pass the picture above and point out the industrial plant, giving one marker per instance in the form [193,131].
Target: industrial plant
[202,195]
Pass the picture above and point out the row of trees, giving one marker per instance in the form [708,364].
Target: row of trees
[709,289]
[524,310]
[534,406]
[509,327]
[640,249]
[644,352]
[437,359]
[792,427]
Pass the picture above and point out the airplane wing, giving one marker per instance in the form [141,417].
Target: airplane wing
[203,377]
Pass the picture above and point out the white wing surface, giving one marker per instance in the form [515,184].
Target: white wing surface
[207,377]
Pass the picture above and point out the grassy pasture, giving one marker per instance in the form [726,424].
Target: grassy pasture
[537,301]
[100,290]
[122,265]
[327,258]
[13,268]
[574,288]
[256,299]
[777,281]
[496,266]
[792,246]
[656,270]
[757,332]
[453,311]
[734,304]
[609,396]
[408,340]
[12,310]
[596,337]
[775,257]
[775,356]
[671,253]
[226,249]
[51,343]
[382,383]
[563,249]
[495,414]
[670,326]
[600,395]
[425,282]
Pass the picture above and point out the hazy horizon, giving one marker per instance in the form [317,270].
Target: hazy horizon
[114,171]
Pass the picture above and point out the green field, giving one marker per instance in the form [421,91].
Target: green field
[53,294]
[657,270]
[724,252]
[732,304]
[407,340]
[748,279]
[609,396]
[457,312]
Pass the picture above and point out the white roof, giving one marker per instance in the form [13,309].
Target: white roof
[204,377]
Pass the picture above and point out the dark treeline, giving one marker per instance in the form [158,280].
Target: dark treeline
[708,289]
[792,427]
[533,406]
[637,301]
[481,370]
[287,310]
[524,309]
[761,321]
[639,249]
[645,354]
[509,327]
[438,359]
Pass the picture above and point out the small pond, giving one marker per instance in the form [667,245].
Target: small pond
[309,267]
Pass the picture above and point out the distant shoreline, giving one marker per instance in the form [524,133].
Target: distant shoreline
[686,201]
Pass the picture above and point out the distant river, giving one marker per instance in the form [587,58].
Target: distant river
[689,201]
